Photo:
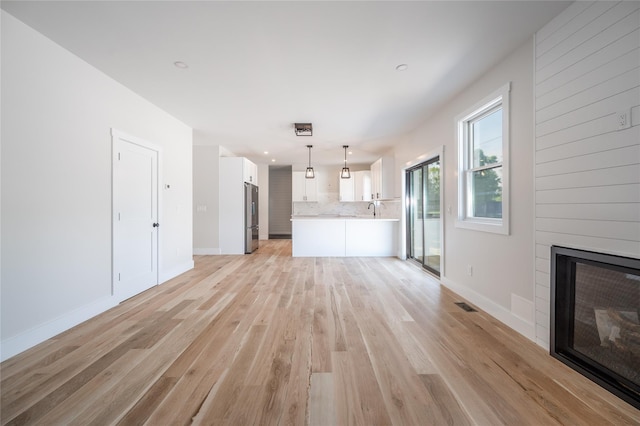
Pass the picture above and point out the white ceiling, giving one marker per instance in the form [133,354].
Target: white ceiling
[255,68]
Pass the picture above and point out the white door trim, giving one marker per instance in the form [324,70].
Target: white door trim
[119,135]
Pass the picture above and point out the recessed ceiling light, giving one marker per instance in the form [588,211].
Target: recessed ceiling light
[266,152]
[181,65]
[402,67]
[273,160]
[350,152]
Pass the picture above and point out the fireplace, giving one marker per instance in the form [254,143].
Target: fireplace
[595,312]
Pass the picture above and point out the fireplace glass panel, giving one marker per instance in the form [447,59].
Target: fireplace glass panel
[606,324]
[595,318]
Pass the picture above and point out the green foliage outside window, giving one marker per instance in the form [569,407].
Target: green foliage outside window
[487,189]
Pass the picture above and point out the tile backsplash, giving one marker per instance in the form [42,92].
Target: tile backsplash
[390,209]
[329,200]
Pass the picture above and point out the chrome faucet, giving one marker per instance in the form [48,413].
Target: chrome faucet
[374,208]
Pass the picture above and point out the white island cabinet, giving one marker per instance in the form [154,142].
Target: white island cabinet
[336,236]
[323,238]
[373,237]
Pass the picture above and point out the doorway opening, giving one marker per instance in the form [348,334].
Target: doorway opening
[423,215]
[279,202]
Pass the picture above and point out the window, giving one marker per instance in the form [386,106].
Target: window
[483,159]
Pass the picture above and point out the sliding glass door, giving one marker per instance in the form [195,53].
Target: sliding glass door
[415,215]
[423,214]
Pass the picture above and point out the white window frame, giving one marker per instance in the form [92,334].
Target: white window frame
[465,165]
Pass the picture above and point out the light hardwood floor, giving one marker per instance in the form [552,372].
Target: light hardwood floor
[270,339]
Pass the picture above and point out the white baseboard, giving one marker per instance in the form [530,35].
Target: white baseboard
[14,345]
[175,271]
[207,251]
[540,342]
[500,313]
[522,308]
[27,339]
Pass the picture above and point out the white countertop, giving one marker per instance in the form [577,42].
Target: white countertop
[339,217]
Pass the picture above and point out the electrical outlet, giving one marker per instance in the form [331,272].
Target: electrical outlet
[623,119]
[470,270]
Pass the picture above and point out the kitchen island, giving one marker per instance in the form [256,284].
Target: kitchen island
[344,236]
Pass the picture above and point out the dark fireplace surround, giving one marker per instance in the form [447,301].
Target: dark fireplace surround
[595,311]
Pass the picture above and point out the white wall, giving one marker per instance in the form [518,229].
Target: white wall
[57,114]
[502,280]
[587,168]
[263,200]
[206,166]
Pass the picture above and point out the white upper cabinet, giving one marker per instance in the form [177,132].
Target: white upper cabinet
[249,171]
[382,178]
[303,189]
[358,188]
[362,185]
[298,190]
[347,188]
[376,179]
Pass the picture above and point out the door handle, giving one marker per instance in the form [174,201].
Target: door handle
[155,225]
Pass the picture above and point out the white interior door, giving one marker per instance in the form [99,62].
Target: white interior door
[135,217]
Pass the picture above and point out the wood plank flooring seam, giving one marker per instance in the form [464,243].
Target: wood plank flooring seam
[270,339]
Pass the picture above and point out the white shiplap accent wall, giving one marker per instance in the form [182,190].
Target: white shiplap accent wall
[587,169]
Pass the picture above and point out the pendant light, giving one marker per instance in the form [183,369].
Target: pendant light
[345,174]
[309,174]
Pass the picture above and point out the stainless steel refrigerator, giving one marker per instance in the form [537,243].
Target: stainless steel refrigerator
[250,218]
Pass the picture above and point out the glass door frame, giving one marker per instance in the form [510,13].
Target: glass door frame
[409,229]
